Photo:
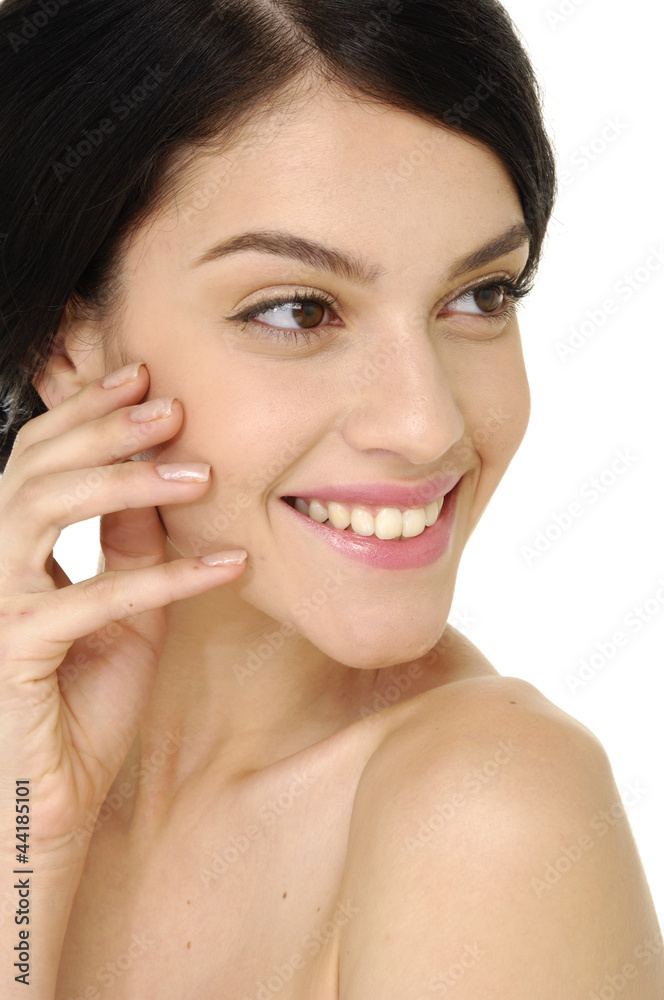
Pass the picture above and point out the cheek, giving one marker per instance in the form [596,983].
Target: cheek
[250,437]
[500,421]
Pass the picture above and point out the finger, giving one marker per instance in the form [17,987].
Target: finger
[114,437]
[132,539]
[90,402]
[40,628]
[55,570]
[36,514]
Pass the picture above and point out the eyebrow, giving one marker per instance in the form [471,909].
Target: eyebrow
[345,265]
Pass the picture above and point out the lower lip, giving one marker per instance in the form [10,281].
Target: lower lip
[383,553]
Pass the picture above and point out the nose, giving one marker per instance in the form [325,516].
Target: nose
[401,399]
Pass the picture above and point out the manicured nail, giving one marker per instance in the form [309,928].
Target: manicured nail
[188,472]
[234,557]
[151,410]
[122,376]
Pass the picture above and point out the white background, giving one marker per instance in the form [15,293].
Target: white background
[537,618]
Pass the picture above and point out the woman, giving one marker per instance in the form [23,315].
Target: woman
[260,274]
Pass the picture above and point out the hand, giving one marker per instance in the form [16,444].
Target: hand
[73,689]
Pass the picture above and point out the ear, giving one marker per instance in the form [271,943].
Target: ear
[75,359]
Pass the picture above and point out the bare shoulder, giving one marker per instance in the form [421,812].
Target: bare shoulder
[492,734]
[477,849]
[463,709]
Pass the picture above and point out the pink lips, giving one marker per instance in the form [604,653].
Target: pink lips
[397,553]
[377,495]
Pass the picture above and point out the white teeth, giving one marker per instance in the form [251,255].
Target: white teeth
[389,522]
[362,521]
[415,521]
[317,511]
[339,515]
[432,511]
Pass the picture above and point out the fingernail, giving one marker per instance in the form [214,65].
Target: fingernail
[151,410]
[234,557]
[121,376]
[188,472]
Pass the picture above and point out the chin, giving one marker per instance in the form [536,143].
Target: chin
[390,647]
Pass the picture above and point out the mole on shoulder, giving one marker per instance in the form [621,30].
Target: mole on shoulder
[188,944]
[284,896]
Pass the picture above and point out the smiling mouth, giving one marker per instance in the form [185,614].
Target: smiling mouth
[388,523]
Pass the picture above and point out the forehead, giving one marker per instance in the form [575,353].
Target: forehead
[362,174]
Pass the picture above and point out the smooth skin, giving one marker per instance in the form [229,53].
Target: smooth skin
[448,393]
[270,417]
[489,835]
[73,693]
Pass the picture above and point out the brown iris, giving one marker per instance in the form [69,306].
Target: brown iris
[489,299]
[308,313]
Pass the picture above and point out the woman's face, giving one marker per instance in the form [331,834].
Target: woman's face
[404,379]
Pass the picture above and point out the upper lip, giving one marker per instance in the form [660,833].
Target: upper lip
[402,495]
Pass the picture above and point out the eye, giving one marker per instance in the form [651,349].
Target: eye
[487,300]
[306,311]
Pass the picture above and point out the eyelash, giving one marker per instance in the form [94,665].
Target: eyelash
[514,289]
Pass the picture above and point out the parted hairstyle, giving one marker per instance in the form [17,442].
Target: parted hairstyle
[103,102]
